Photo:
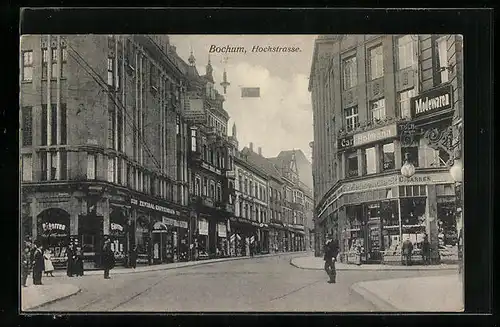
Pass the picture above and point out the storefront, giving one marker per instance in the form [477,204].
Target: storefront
[222,242]
[374,216]
[118,229]
[242,232]
[202,238]
[264,238]
[54,227]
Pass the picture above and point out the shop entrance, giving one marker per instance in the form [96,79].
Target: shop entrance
[143,240]
[53,227]
[163,243]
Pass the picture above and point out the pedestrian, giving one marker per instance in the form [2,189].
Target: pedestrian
[38,264]
[331,251]
[70,252]
[49,267]
[251,249]
[407,251]
[426,250]
[78,261]
[26,265]
[133,257]
[108,258]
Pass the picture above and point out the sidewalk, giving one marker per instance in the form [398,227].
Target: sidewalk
[317,263]
[34,296]
[418,294]
[175,265]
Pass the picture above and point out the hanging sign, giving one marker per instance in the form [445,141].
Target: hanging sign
[431,101]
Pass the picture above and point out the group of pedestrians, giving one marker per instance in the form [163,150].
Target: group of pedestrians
[75,260]
[35,260]
[407,250]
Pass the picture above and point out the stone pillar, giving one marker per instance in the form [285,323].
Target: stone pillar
[361,159]
[397,154]
[431,227]
[104,211]
[343,166]
[379,158]
[34,220]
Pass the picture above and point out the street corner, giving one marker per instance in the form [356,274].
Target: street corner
[310,263]
[35,296]
[411,294]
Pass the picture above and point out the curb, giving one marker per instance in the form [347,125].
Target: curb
[373,269]
[78,290]
[198,263]
[377,301]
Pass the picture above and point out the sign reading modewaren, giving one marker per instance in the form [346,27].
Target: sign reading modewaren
[373,135]
[432,101]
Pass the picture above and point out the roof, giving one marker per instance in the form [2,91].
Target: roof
[262,162]
[304,167]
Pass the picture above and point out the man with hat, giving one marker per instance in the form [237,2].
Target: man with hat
[38,264]
[108,257]
[331,252]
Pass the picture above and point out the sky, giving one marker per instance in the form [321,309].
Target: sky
[281,119]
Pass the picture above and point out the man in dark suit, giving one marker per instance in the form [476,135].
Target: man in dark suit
[108,258]
[38,264]
[331,252]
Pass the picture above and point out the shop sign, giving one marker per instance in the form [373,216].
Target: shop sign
[156,207]
[211,168]
[117,227]
[387,181]
[375,135]
[173,222]
[53,226]
[345,142]
[432,101]
[203,227]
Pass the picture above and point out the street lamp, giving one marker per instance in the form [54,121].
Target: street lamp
[408,169]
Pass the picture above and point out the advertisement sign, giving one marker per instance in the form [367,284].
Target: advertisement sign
[221,230]
[432,101]
[157,207]
[367,137]
[203,226]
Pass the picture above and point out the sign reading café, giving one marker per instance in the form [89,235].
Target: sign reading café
[367,137]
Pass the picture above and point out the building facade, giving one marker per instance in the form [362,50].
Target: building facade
[99,150]
[210,160]
[380,101]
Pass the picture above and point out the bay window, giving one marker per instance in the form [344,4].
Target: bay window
[376,62]
[407,55]
[349,72]
[378,109]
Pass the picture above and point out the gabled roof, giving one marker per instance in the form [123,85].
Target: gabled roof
[304,167]
[262,163]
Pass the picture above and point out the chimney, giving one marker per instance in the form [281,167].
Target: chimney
[260,151]
[251,146]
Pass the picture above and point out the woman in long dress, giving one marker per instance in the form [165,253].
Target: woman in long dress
[49,267]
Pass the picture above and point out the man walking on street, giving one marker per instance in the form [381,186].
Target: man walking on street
[407,251]
[38,264]
[426,250]
[331,252]
[108,258]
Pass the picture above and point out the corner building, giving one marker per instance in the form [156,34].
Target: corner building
[379,100]
[104,146]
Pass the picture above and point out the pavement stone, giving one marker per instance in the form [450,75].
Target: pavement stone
[416,294]
[317,263]
[34,296]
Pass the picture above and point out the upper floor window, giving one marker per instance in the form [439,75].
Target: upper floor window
[178,126]
[27,120]
[111,69]
[44,63]
[442,49]
[27,68]
[370,166]
[404,103]
[376,69]
[388,156]
[407,55]
[91,166]
[27,163]
[64,59]
[193,139]
[352,165]
[351,118]
[54,71]
[378,109]
[349,72]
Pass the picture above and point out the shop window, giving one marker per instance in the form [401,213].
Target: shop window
[27,164]
[388,156]
[378,110]
[370,161]
[350,72]
[352,165]
[351,118]
[27,67]
[412,191]
[413,211]
[407,55]
[376,62]
[412,152]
